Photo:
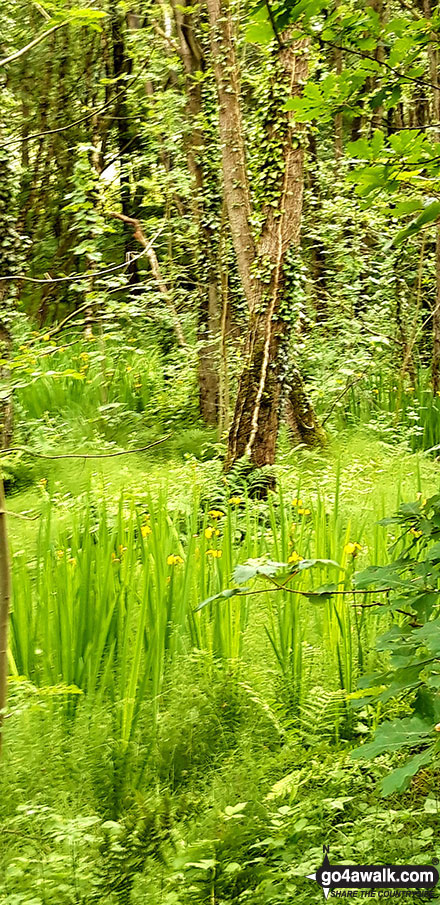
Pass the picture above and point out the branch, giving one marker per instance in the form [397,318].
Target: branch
[140,237]
[77,122]
[274,25]
[19,53]
[26,518]
[123,452]
[73,276]
[344,391]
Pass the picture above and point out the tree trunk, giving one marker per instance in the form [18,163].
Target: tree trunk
[5,598]
[300,416]
[5,566]
[208,277]
[433,57]
[121,67]
[261,264]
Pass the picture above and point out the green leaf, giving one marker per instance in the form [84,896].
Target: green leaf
[431,213]
[253,567]
[399,779]
[309,563]
[229,592]
[259,33]
[394,735]
[407,207]
[325,590]
[384,576]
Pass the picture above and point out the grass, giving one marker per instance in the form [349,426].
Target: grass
[154,753]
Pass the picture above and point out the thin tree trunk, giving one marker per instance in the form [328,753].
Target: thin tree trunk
[339,142]
[433,57]
[5,598]
[5,566]
[208,276]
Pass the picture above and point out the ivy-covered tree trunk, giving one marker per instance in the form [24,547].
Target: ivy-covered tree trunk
[202,177]
[261,261]
[434,71]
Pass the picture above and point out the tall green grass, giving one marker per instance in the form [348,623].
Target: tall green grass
[109,604]
[396,409]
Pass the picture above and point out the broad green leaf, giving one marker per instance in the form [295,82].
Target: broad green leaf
[431,213]
[253,567]
[400,778]
[394,735]
[260,33]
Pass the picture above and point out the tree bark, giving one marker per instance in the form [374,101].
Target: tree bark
[5,566]
[433,58]
[208,277]
[261,264]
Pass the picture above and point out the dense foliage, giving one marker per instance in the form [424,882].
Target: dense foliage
[219,437]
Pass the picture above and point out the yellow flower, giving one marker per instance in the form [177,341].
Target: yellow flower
[114,557]
[216,554]
[217,532]
[147,516]
[376,391]
[297,502]
[174,559]
[145,530]
[235,500]
[415,532]
[216,513]
[46,337]
[43,482]
[209,532]
[84,356]
[60,554]
[72,560]
[352,549]
[122,549]
[294,557]
[129,368]
[304,511]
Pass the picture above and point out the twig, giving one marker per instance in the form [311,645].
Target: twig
[26,518]
[274,25]
[140,237]
[344,391]
[123,452]
[73,276]
[19,53]
[20,138]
